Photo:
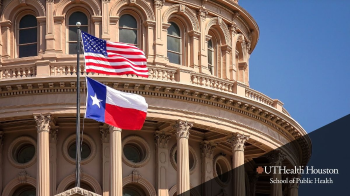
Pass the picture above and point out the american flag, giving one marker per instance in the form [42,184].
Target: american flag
[113,58]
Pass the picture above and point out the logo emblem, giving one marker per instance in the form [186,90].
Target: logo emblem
[260,170]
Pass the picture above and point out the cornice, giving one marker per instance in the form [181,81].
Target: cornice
[280,122]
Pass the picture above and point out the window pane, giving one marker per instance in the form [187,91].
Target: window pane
[174,30]
[28,21]
[73,32]
[174,58]
[132,153]
[78,17]
[128,21]
[174,44]
[210,57]
[25,153]
[72,48]
[85,153]
[210,44]
[128,36]
[27,36]
[28,50]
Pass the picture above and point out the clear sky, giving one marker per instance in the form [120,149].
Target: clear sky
[303,57]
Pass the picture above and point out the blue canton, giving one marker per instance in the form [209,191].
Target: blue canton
[93,44]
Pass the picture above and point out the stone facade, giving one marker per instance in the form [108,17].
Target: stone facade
[201,112]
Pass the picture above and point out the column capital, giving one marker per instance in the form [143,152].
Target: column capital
[53,134]
[43,122]
[276,157]
[237,141]
[207,149]
[113,128]
[161,139]
[182,129]
[104,134]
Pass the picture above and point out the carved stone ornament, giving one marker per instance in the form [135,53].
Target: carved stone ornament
[275,157]
[135,176]
[43,122]
[158,4]
[207,149]
[22,176]
[77,191]
[53,134]
[182,129]
[203,13]
[237,141]
[104,134]
[161,139]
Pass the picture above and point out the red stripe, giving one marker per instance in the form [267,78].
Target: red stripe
[114,73]
[121,45]
[124,118]
[115,60]
[126,52]
[116,67]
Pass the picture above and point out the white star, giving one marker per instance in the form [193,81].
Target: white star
[95,101]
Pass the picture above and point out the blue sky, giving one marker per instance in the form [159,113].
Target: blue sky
[303,57]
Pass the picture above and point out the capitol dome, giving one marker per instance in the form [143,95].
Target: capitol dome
[203,118]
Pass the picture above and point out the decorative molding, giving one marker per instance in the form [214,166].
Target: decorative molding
[93,4]
[71,139]
[22,176]
[77,191]
[237,141]
[161,139]
[11,187]
[84,178]
[275,157]
[104,134]
[53,134]
[13,148]
[143,145]
[136,179]
[223,27]
[158,4]
[182,129]
[207,149]
[139,4]
[182,9]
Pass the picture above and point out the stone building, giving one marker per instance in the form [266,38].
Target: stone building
[198,92]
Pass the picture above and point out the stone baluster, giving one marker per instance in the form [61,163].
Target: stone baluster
[183,166]
[43,162]
[237,143]
[275,158]
[162,161]
[207,149]
[116,187]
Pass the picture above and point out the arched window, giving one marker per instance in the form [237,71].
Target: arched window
[130,190]
[128,30]
[25,191]
[27,43]
[72,29]
[174,44]
[210,56]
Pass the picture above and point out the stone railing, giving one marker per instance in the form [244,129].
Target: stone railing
[257,96]
[8,72]
[155,73]
[212,82]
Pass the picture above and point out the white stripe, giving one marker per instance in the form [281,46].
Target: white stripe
[115,64]
[116,70]
[129,57]
[124,49]
[126,100]
[113,57]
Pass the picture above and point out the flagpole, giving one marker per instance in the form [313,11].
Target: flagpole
[78,153]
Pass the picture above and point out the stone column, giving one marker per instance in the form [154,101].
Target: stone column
[1,143]
[183,166]
[97,20]
[253,178]
[150,26]
[226,50]
[116,187]
[160,33]
[207,149]
[237,141]
[105,161]
[59,32]
[53,159]
[233,66]
[50,26]
[43,162]
[275,158]
[203,63]
[162,161]
[293,187]
[194,51]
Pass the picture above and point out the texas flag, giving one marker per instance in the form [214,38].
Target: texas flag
[113,107]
